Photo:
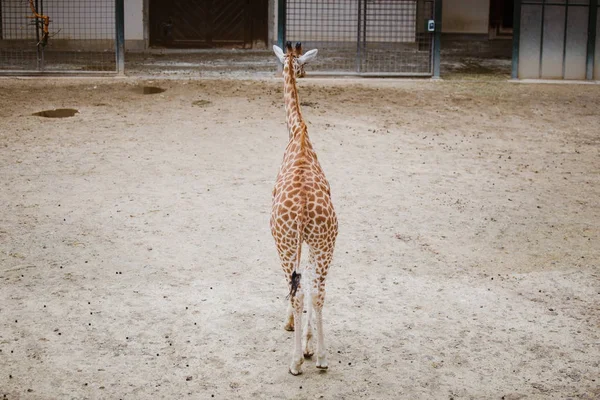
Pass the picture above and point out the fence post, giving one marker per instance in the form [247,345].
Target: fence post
[120,29]
[437,39]
[591,44]
[516,39]
[281,16]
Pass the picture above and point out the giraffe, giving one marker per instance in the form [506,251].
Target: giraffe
[302,212]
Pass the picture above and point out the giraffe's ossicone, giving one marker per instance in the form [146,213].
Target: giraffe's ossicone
[302,213]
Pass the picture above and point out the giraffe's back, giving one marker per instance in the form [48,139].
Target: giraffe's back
[302,195]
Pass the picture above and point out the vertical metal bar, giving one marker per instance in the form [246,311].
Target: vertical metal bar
[516,39]
[437,38]
[564,58]
[43,59]
[543,5]
[358,33]
[37,37]
[120,29]
[281,21]
[364,34]
[591,44]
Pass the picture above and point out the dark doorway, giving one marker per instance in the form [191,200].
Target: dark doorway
[501,18]
[208,23]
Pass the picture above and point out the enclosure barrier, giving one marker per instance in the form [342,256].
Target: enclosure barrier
[61,36]
[365,37]
[556,39]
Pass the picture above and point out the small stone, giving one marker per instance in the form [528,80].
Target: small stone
[189,378]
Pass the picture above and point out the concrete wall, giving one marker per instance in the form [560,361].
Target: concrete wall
[134,24]
[465,16]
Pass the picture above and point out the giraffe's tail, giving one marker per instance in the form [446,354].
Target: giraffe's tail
[296,275]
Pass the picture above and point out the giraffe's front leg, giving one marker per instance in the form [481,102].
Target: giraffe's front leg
[297,356]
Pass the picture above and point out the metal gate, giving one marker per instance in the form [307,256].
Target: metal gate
[364,37]
[58,36]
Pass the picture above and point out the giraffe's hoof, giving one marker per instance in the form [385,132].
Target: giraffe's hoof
[308,354]
[295,372]
[289,327]
[322,363]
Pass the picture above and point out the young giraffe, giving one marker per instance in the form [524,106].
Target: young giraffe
[302,212]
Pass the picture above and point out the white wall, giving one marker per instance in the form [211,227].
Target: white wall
[465,16]
[134,19]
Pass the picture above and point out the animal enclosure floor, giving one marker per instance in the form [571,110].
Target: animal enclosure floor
[136,260]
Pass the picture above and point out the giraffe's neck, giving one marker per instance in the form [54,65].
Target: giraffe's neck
[295,123]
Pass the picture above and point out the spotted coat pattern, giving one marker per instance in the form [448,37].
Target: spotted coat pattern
[302,212]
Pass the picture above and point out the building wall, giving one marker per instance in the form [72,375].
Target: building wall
[465,16]
[134,24]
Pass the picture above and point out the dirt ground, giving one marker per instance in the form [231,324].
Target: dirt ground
[136,260]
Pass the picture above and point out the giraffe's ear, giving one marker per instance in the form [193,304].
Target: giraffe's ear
[278,52]
[308,56]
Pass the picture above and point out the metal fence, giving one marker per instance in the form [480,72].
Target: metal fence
[556,39]
[58,36]
[363,37]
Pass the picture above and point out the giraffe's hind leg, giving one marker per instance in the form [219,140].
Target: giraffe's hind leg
[297,356]
[307,343]
[323,259]
[289,318]
[288,260]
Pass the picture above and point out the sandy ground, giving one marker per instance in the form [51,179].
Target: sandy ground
[136,260]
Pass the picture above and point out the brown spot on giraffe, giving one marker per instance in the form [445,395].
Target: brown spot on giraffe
[302,212]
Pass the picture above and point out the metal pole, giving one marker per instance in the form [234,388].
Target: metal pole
[358,29]
[281,16]
[516,39]
[120,29]
[437,39]
[37,36]
[591,44]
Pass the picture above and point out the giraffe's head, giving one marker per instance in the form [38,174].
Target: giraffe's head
[295,56]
